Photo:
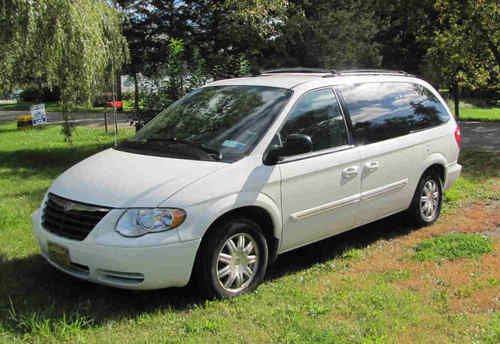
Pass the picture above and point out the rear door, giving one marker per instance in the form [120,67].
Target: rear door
[390,155]
[386,121]
[320,189]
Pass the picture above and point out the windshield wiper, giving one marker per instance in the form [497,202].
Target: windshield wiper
[212,153]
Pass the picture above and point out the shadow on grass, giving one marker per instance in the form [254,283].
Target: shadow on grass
[33,289]
[45,162]
[480,164]
[325,250]
[8,130]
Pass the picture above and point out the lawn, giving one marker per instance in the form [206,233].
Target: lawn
[365,286]
[56,107]
[471,112]
[480,114]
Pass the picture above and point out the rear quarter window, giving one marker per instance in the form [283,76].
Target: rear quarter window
[383,110]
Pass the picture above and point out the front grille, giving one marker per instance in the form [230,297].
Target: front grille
[70,219]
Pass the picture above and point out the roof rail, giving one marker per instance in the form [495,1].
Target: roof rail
[372,72]
[297,70]
[332,72]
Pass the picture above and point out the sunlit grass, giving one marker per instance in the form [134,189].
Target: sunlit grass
[471,112]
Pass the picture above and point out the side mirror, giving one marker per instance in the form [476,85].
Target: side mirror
[295,144]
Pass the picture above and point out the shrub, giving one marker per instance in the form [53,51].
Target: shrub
[128,95]
[44,94]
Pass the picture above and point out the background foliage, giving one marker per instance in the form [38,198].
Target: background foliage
[453,43]
[69,45]
[179,45]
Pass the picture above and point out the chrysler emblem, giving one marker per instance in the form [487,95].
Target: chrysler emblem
[67,206]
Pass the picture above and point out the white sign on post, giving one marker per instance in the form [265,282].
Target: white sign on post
[38,114]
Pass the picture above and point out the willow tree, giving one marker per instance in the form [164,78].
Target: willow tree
[72,45]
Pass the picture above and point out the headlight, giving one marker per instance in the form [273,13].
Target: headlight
[137,222]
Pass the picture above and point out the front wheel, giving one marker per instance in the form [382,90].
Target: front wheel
[427,201]
[232,259]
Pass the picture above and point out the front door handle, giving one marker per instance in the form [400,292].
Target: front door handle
[372,165]
[350,172]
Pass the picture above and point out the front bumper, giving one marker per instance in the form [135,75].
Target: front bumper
[147,267]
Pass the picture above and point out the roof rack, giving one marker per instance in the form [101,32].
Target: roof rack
[297,70]
[328,73]
[370,72]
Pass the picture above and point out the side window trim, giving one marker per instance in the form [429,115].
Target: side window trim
[345,114]
[322,151]
[315,153]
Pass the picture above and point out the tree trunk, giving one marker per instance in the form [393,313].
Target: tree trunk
[119,88]
[456,100]
[66,124]
[136,94]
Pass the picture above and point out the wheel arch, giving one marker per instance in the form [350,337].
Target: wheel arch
[257,214]
[439,170]
[436,163]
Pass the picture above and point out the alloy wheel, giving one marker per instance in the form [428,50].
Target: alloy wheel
[429,200]
[237,262]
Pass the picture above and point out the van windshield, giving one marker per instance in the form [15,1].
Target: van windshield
[219,123]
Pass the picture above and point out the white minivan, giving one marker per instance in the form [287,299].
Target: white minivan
[242,170]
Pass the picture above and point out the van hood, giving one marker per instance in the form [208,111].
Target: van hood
[118,179]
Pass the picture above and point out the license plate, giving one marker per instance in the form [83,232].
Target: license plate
[59,255]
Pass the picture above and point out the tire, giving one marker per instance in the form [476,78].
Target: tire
[225,270]
[424,211]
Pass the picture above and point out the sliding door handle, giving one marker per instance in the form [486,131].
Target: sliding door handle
[372,165]
[350,172]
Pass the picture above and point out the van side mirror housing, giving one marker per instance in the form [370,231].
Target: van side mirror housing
[295,144]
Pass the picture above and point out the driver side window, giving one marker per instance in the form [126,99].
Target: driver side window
[317,114]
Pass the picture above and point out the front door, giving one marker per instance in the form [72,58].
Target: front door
[320,189]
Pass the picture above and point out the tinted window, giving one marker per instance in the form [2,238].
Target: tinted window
[318,115]
[384,110]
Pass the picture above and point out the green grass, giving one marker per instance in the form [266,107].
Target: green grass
[310,295]
[453,246]
[56,107]
[470,112]
[492,333]
[480,114]
[480,175]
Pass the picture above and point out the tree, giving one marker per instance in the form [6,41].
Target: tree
[220,31]
[72,45]
[463,49]
[401,23]
[328,34]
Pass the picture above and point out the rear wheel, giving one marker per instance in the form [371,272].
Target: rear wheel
[427,201]
[232,259]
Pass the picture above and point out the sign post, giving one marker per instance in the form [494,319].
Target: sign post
[38,114]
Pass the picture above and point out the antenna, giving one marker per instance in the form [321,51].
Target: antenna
[303,70]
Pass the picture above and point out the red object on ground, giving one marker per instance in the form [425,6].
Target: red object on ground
[116,104]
